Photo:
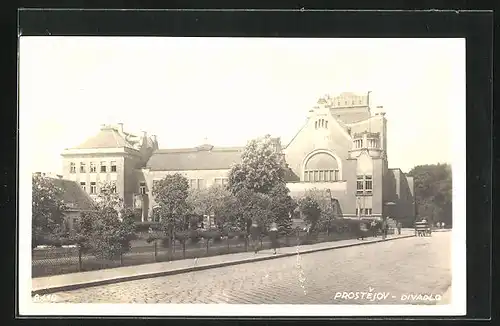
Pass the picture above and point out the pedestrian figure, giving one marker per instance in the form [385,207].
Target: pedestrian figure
[273,235]
[255,235]
[362,230]
[385,227]
[442,225]
[399,225]
[373,228]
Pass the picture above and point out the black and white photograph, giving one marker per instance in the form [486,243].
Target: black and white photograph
[176,176]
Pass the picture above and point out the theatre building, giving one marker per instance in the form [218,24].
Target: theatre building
[340,149]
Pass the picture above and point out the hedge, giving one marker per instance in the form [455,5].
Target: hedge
[144,226]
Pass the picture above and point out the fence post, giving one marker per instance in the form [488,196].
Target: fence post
[79,258]
[121,257]
[184,248]
[155,250]
[208,243]
[227,240]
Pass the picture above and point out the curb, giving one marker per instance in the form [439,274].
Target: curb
[120,279]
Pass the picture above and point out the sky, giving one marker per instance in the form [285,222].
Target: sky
[225,91]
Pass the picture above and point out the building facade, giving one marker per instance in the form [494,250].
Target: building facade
[340,149]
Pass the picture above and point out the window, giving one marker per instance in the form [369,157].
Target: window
[72,167]
[316,125]
[373,143]
[142,188]
[92,167]
[368,211]
[197,183]
[82,184]
[93,188]
[82,167]
[321,176]
[358,143]
[357,212]
[221,181]
[103,167]
[113,166]
[326,124]
[364,185]
[368,182]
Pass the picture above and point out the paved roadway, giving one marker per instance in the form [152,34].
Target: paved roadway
[417,265]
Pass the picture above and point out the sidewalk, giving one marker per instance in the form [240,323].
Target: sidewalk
[67,282]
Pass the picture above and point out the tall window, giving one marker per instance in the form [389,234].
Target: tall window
[72,167]
[321,123]
[368,211]
[358,143]
[373,143]
[103,167]
[82,167]
[113,166]
[142,188]
[197,183]
[92,167]
[368,183]
[82,184]
[93,188]
[364,185]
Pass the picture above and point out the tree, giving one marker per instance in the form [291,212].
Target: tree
[171,195]
[282,206]
[262,167]
[47,209]
[108,197]
[254,207]
[433,191]
[311,212]
[107,231]
[214,201]
[323,199]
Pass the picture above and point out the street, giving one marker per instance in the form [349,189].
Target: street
[415,270]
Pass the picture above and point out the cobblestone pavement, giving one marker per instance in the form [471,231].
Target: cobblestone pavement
[392,269]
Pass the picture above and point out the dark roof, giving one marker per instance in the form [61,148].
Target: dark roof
[106,138]
[73,195]
[204,157]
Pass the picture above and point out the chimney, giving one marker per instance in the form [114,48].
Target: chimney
[145,134]
[310,113]
[120,127]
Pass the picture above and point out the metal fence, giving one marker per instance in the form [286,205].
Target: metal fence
[54,261]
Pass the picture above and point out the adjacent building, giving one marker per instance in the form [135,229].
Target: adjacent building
[76,199]
[341,148]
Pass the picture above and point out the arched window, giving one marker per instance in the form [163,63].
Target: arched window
[321,167]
